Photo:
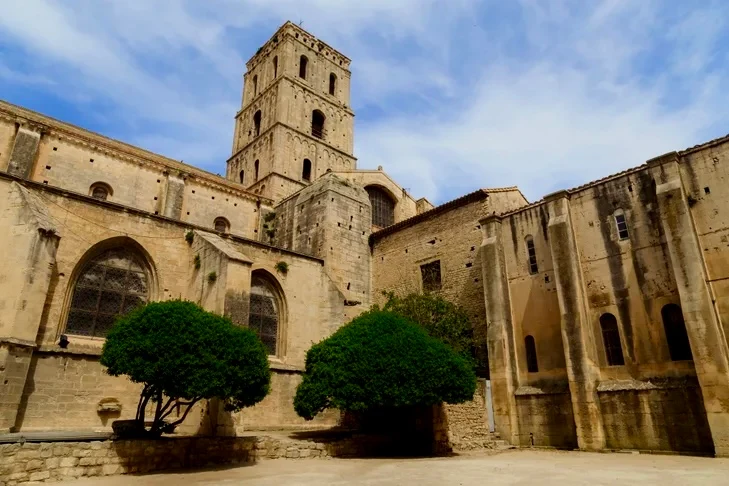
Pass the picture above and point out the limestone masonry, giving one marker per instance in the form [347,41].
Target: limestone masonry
[600,312]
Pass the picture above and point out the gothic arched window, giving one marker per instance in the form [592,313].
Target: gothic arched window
[317,124]
[531,354]
[611,340]
[676,335]
[100,190]
[303,62]
[306,170]
[221,225]
[110,285]
[383,207]
[265,313]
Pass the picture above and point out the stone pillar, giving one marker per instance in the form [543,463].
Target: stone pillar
[30,246]
[503,368]
[173,197]
[583,371]
[703,324]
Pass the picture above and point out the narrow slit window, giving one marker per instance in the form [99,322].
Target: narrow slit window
[303,62]
[275,67]
[306,170]
[332,83]
[257,123]
[317,124]
[532,256]
[242,176]
[531,354]
[622,225]
[255,85]
[255,171]
[611,340]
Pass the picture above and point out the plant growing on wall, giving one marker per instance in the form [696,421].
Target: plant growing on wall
[212,277]
[282,268]
[189,237]
[381,359]
[182,354]
[269,225]
[196,262]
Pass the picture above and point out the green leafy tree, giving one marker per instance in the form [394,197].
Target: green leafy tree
[440,318]
[380,359]
[183,354]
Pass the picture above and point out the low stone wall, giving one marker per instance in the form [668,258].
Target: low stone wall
[52,461]
[467,423]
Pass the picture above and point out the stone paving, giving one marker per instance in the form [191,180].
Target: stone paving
[518,467]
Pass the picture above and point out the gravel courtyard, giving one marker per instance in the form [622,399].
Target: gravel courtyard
[518,467]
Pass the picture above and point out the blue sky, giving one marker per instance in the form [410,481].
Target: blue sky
[449,95]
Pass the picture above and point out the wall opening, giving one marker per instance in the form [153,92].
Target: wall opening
[257,123]
[303,62]
[332,83]
[431,277]
[265,314]
[275,67]
[611,340]
[100,190]
[531,354]
[221,225]
[317,124]
[255,85]
[306,170]
[383,206]
[242,176]
[255,171]
[532,255]
[622,226]
[676,335]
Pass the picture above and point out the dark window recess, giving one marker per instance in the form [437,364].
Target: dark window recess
[221,225]
[383,207]
[303,62]
[317,124]
[109,286]
[100,192]
[255,171]
[242,176]
[707,190]
[531,354]
[622,225]
[306,170]
[264,314]
[257,123]
[275,66]
[611,340]
[255,85]
[532,255]
[676,335]
[430,273]
[332,83]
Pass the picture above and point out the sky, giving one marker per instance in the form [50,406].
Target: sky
[449,95]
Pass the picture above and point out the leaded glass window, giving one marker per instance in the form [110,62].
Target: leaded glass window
[264,313]
[383,207]
[109,286]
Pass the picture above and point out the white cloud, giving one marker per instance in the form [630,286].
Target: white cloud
[451,95]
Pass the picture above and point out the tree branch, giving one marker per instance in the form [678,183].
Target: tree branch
[191,403]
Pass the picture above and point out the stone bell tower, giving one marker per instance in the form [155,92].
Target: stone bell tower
[295,122]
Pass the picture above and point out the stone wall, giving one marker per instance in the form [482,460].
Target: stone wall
[545,418]
[467,424]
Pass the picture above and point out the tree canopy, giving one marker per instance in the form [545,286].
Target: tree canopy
[381,359]
[183,354]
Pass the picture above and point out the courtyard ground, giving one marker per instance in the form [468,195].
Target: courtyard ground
[517,467]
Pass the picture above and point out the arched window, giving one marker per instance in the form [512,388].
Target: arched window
[332,83]
[303,61]
[532,255]
[676,335]
[108,286]
[100,190]
[265,311]
[275,67]
[531,354]
[317,123]
[611,340]
[257,123]
[221,225]
[242,176]
[255,171]
[255,85]
[306,170]
[383,207]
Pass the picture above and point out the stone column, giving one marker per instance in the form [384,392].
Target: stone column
[503,369]
[703,325]
[25,152]
[30,245]
[583,371]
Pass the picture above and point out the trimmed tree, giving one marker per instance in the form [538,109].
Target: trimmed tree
[440,318]
[380,359]
[183,354]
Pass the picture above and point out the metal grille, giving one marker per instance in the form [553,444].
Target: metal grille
[611,339]
[622,225]
[383,207]
[263,316]
[110,286]
[532,254]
